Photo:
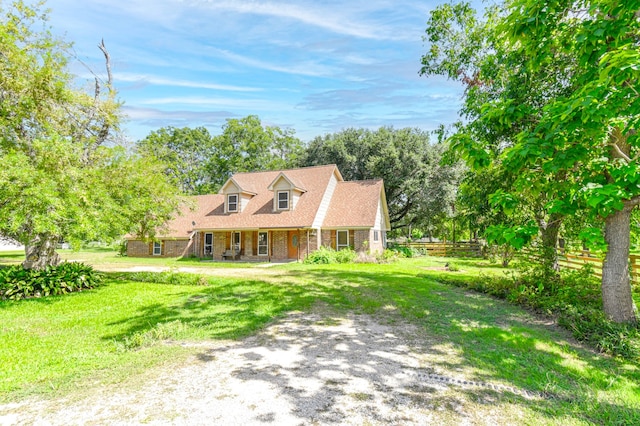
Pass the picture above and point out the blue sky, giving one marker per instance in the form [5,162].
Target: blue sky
[313,66]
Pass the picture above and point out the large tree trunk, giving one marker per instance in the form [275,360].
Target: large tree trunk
[549,233]
[40,252]
[616,287]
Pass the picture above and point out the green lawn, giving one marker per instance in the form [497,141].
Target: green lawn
[111,333]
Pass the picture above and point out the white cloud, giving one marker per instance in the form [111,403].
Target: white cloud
[203,101]
[331,17]
[160,81]
[307,68]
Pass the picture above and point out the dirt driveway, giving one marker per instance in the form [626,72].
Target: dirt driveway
[305,369]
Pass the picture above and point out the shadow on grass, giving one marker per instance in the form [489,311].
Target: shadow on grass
[225,309]
[501,343]
[492,341]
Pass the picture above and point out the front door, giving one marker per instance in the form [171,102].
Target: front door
[294,242]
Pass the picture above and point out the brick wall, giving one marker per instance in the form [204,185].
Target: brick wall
[170,248]
[359,238]
[279,249]
[137,248]
[328,238]
[176,248]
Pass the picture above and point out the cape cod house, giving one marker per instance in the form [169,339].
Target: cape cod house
[277,215]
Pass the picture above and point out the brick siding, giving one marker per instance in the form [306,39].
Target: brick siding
[170,248]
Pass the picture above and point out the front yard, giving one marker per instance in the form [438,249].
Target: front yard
[119,334]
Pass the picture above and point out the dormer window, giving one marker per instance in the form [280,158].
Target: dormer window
[283,200]
[232,203]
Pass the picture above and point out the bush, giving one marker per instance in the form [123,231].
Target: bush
[326,255]
[403,251]
[322,256]
[346,255]
[18,283]
[122,248]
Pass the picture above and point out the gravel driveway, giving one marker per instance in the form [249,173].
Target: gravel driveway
[306,369]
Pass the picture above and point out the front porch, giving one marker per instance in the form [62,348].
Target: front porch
[255,245]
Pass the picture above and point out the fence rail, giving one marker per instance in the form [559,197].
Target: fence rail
[444,249]
[577,261]
[565,260]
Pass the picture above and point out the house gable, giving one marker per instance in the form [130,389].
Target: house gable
[236,197]
[286,192]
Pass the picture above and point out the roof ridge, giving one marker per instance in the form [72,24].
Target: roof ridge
[284,170]
[362,180]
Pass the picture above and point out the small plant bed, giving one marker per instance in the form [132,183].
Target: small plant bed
[18,283]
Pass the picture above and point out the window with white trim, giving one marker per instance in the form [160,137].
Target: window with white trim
[232,202]
[376,235]
[263,243]
[157,249]
[342,239]
[283,200]
[208,244]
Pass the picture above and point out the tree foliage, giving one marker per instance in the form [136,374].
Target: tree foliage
[59,179]
[551,88]
[185,154]
[202,163]
[245,145]
[418,187]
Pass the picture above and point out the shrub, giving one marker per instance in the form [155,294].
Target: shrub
[122,248]
[19,283]
[403,251]
[322,256]
[327,255]
[345,255]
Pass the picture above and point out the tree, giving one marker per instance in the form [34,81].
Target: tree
[590,132]
[245,145]
[57,178]
[561,78]
[417,187]
[185,153]
[467,49]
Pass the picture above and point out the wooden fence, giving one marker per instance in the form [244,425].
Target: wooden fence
[577,261]
[444,249]
[565,260]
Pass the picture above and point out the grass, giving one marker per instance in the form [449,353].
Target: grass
[106,257]
[108,334]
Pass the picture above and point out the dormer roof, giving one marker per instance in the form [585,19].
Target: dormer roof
[243,188]
[293,183]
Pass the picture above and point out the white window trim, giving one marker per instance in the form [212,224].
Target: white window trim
[376,235]
[157,245]
[338,245]
[229,203]
[204,248]
[263,245]
[278,200]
